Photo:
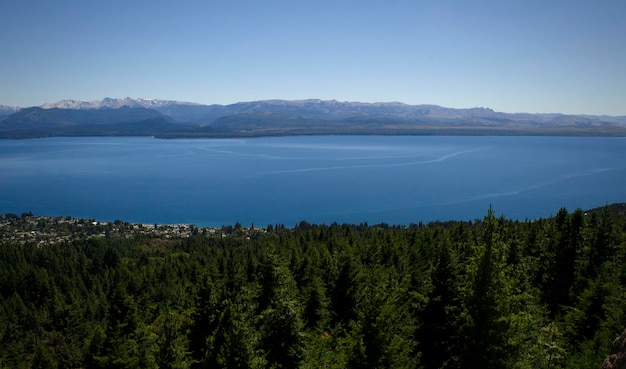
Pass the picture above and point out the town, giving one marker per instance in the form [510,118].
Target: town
[47,230]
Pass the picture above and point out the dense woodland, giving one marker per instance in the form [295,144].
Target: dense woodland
[491,293]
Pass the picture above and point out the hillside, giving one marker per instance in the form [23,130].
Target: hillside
[493,293]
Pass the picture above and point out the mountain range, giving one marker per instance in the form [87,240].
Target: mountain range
[168,118]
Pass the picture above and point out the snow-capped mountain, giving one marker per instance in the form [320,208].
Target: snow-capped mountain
[6,110]
[111,103]
[134,116]
[179,111]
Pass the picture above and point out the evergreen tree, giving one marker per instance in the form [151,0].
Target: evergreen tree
[486,330]
[438,334]
[496,293]
[280,324]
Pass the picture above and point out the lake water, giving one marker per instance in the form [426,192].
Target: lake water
[320,179]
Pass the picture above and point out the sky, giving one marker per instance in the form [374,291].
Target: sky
[536,56]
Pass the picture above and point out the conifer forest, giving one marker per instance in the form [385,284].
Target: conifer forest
[489,293]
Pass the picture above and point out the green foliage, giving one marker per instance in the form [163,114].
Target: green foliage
[493,293]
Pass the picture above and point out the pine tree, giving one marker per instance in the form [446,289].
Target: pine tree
[485,330]
[438,336]
[280,324]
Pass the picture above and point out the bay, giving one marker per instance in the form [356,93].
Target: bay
[320,179]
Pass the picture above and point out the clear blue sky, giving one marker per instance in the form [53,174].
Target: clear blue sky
[512,56]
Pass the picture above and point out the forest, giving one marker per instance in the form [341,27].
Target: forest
[488,293]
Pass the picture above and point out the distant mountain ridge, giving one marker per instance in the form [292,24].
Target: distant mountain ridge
[177,110]
[84,116]
[291,117]
[6,110]
[111,103]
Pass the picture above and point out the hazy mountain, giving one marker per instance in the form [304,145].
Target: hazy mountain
[39,122]
[179,111]
[607,118]
[7,110]
[336,110]
[290,117]
[431,114]
[111,103]
[35,117]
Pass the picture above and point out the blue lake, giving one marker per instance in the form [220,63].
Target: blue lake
[320,179]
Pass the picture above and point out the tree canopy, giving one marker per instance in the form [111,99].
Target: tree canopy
[491,293]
